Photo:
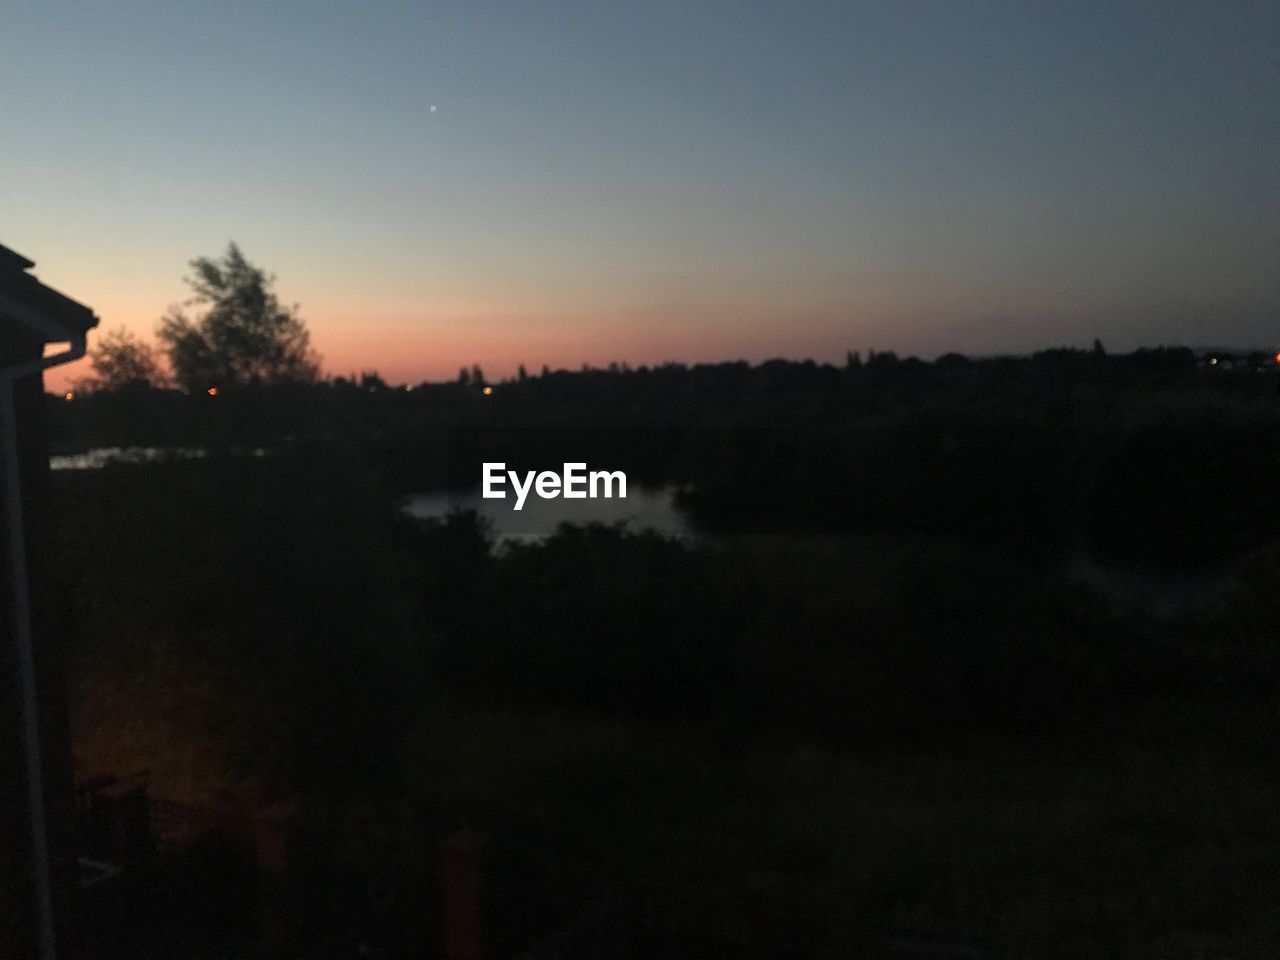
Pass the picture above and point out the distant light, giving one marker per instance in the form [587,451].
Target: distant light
[212,391]
[487,391]
[1278,358]
[1213,361]
[71,396]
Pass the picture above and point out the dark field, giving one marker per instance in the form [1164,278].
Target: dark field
[976,658]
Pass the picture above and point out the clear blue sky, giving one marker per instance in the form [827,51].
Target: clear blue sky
[645,181]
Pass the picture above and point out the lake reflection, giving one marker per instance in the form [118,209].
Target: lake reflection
[642,509]
[99,457]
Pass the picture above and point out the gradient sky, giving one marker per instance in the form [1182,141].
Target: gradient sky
[645,181]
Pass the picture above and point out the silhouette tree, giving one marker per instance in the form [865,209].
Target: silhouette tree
[952,361]
[885,360]
[121,361]
[244,336]
[477,376]
[464,376]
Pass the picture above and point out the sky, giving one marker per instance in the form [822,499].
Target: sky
[440,184]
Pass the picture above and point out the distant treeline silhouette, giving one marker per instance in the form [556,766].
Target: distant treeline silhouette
[1047,456]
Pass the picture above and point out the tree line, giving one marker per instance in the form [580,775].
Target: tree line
[232,331]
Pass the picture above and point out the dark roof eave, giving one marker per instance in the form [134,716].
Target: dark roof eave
[56,316]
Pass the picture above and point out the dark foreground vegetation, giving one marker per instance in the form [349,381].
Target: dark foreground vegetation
[970,656]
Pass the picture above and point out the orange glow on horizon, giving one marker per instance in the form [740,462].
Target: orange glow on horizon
[406,343]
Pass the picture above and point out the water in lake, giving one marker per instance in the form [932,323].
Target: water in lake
[100,457]
[642,509]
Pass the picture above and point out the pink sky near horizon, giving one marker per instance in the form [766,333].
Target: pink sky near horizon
[432,344]
[409,333]
[410,344]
